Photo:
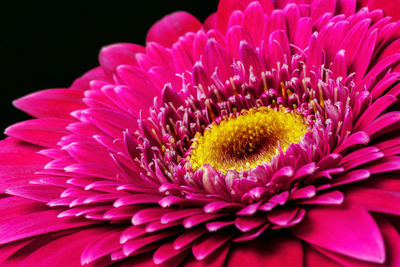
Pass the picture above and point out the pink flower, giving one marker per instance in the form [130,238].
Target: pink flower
[268,136]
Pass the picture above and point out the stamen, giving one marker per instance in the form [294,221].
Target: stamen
[248,139]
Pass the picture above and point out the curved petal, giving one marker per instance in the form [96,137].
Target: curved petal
[278,251]
[171,27]
[348,230]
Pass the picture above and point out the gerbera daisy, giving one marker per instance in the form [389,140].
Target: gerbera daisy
[267,136]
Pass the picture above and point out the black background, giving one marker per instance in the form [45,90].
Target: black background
[48,44]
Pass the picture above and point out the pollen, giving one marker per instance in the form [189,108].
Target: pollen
[247,139]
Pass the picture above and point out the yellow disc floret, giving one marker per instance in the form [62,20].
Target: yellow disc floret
[246,140]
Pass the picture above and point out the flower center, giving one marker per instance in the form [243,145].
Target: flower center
[246,140]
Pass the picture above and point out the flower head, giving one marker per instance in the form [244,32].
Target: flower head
[268,135]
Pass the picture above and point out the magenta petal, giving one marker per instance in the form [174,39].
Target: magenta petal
[53,253]
[83,82]
[321,7]
[362,61]
[277,251]
[105,244]
[387,164]
[43,132]
[171,27]
[18,161]
[391,237]
[217,225]
[131,232]
[136,199]
[226,7]
[312,258]
[139,80]
[207,245]
[338,229]
[303,32]
[248,223]
[373,111]
[40,104]
[253,234]
[40,193]
[357,138]
[351,177]
[282,216]
[148,215]
[328,198]
[8,250]
[388,122]
[180,214]
[188,237]
[165,252]
[378,200]
[134,245]
[354,38]
[114,55]
[37,223]
[254,20]
[216,259]
[199,219]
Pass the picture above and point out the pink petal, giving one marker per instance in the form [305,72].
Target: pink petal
[137,199]
[354,39]
[180,214]
[312,258]
[248,223]
[83,83]
[40,193]
[134,245]
[166,252]
[364,56]
[195,220]
[357,138]
[53,253]
[112,56]
[167,30]
[58,103]
[377,200]
[216,259]
[32,224]
[373,111]
[392,239]
[207,245]
[106,243]
[274,251]
[253,21]
[282,216]
[348,230]
[148,215]
[217,225]
[188,237]
[350,177]
[303,32]
[253,234]
[388,122]
[226,7]
[387,164]
[321,7]
[43,132]
[7,251]
[346,7]
[328,198]
[18,161]
[139,80]
[211,22]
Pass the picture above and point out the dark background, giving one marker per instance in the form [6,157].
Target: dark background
[48,44]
